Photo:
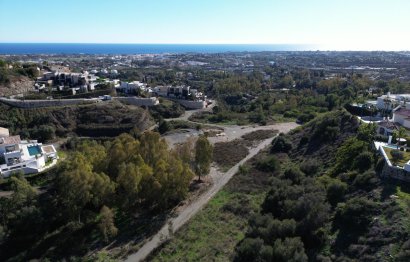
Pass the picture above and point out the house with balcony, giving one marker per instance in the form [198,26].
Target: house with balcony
[24,156]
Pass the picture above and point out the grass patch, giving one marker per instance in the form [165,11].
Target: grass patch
[401,162]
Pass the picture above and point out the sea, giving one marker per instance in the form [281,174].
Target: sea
[128,49]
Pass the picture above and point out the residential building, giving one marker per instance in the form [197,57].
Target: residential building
[132,87]
[63,78]
[391,101]
[401,116]
[26,156]
[386,128]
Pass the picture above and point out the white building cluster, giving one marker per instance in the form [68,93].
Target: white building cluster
[62,78]
[26,156]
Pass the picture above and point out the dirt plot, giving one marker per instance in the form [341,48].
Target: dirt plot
[227,154]
[259,135]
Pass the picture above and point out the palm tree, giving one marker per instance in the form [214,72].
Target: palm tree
[387,102]
[400,133]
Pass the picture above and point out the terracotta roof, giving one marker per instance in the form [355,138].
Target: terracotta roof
[387,124]
[10,140]
[403,111]
[48,149]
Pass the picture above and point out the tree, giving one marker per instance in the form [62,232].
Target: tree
[129,184]
[400,133]
[79,186]
[186,151]
[366,132]
[290,249]
[106,223]
[203,156]
[396,156]
[363,161]
[356,213]
[163,126]
[281,144]
[336,191]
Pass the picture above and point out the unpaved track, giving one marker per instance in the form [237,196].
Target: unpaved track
[220,180]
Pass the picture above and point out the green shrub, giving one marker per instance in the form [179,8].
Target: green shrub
[356,213]
[310,167]
[269,164]
[336,191]
[363,161]
[293,174]
[281,144]
[366,180]
[396,155]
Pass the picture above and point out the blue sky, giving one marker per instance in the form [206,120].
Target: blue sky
[329,24]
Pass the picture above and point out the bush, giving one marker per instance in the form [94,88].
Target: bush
[293,174]
[163,126]
[290,249]
[248,249]
[336,191]
[363,161]
[397,155]
[366,180]
[356,213]
[310,167]
[304,140]
[281,144]
[269,164]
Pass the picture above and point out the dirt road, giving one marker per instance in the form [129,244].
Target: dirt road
[220,180]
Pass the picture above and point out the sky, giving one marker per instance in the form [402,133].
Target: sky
[327,24]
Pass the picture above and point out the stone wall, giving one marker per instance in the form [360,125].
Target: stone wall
[391,171]
[138,101]
[395,172]
[45,103]
[189,104]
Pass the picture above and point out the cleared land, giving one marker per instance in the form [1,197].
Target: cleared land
[227,154]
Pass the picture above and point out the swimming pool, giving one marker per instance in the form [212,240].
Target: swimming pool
[34,150]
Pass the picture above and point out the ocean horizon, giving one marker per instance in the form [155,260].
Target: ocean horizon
[128,49]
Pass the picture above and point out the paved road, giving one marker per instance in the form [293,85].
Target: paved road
[220,180]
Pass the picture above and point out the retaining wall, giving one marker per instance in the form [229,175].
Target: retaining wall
[189,104]
[396,173]
[138,101]
[45,103]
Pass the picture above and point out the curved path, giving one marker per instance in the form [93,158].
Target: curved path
[220,180]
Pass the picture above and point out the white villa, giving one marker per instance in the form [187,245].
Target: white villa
[27,156]
[181,91]
[390,101]
[132,86]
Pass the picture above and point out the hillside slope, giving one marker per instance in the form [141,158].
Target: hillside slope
[328,203]
[105,119]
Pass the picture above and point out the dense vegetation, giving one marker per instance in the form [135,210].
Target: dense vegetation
[329,203]
[97,194]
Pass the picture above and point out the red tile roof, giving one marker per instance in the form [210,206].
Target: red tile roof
[10,140]
[403,112]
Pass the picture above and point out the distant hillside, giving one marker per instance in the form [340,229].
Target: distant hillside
[95,120]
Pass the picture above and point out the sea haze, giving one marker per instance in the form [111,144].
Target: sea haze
[60,48]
